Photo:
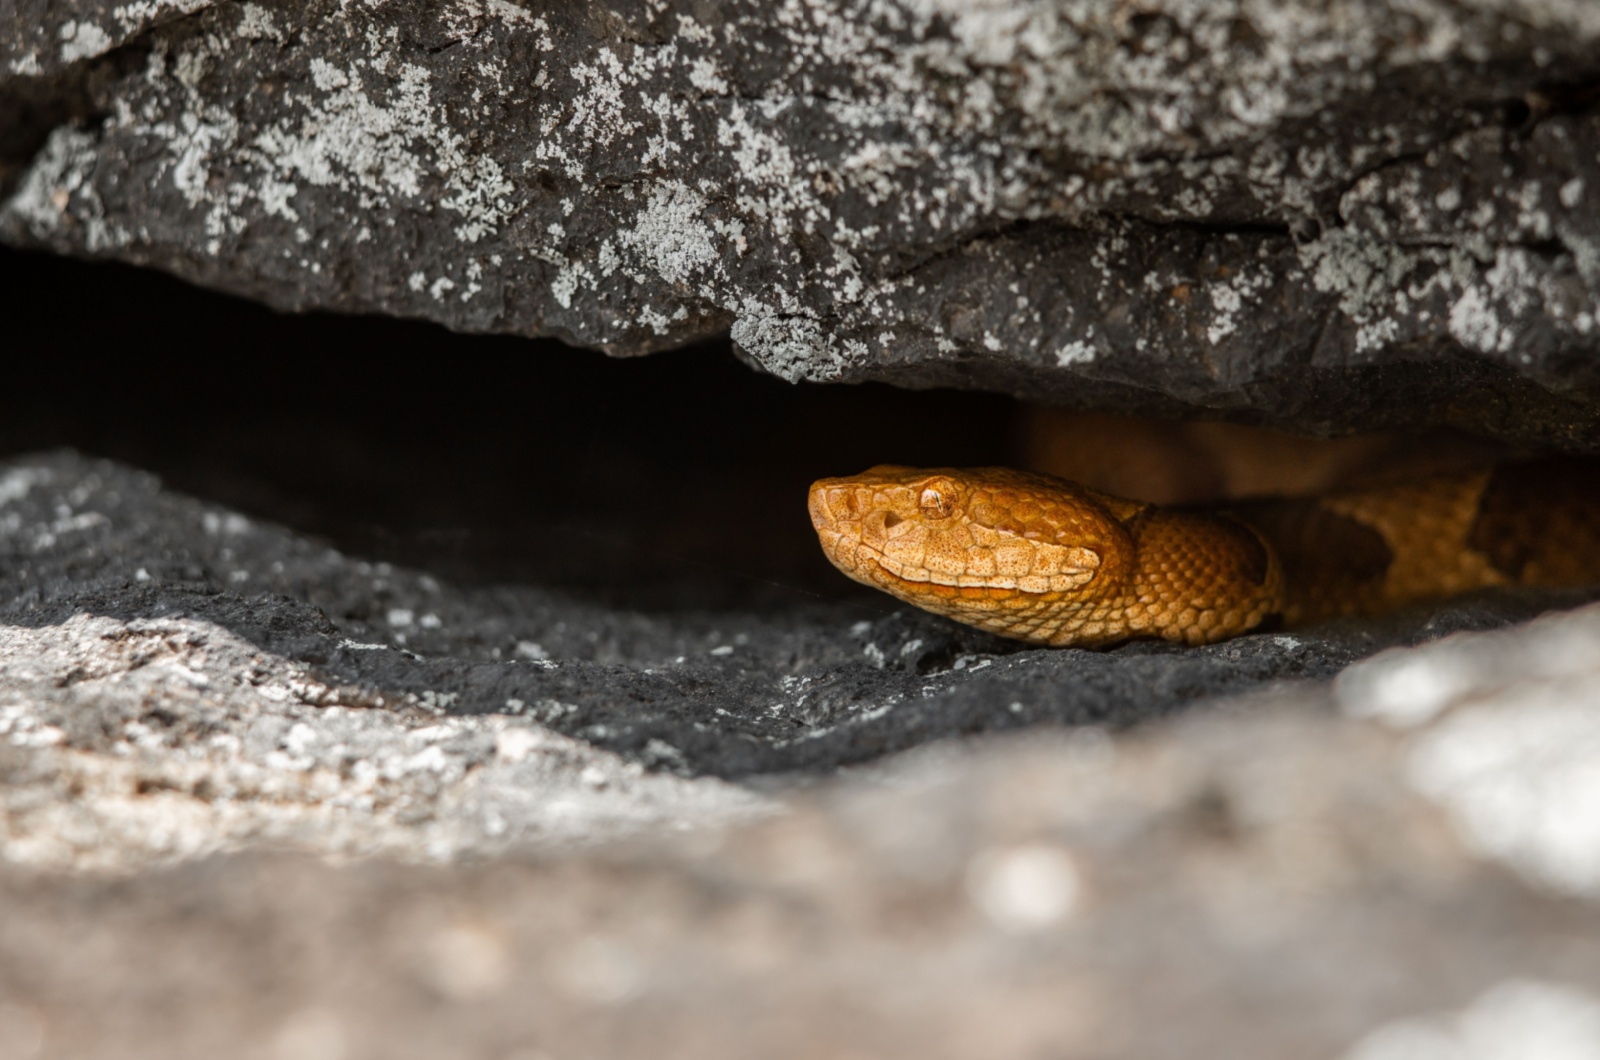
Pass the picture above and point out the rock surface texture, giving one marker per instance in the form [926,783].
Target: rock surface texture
[1401,863]
[1328,216]
[643,789]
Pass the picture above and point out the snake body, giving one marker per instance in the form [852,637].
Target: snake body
[1051,562]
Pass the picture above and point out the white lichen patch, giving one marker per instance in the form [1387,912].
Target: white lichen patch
[1366,273]
[1076,352]
[800,189]
[466,16]
[1475,323]
[371,128]
[387,146]
[1233,298]
[83,40]
[256,23]
[143,12]
[790,347]
[1488,315]
[26,65]
[670,235]
[59,190]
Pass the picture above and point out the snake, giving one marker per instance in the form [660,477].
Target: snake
[1051,562]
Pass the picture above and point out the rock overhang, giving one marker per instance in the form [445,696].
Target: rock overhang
[1327,218]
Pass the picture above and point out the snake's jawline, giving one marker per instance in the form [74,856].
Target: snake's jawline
[989,592]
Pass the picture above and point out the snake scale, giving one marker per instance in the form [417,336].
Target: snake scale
[1051,562]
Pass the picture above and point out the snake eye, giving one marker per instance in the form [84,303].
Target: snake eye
[938,499]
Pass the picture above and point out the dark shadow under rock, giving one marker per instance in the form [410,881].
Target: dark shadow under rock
[729,692]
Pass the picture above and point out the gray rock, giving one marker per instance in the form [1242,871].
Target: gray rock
[138,742]
[1410,874]
[1325,216]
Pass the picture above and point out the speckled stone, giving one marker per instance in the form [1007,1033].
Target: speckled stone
[1321,215]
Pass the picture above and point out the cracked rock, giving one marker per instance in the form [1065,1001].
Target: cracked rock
[1325,216]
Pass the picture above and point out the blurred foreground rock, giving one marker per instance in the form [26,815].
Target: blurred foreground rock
[259,799]
[1326,216]
[1413,872]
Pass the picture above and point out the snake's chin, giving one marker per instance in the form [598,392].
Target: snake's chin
[860,561]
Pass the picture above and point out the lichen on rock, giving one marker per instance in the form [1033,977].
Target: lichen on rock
[1212,208]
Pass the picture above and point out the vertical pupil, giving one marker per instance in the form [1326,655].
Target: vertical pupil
[933,499]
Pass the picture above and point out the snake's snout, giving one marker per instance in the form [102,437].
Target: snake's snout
[832,504]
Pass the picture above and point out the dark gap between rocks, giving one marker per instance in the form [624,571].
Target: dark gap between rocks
[653,481]
[618,549]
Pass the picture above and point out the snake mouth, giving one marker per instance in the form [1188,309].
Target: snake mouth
[920,579]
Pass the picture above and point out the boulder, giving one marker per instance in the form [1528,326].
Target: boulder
[1325,216]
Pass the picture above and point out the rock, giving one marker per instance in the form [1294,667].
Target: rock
[144,741]
[1407,865]
[1323,216]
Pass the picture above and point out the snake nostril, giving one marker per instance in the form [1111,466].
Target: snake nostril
[890,519]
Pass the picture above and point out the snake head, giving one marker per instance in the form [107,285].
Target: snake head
[967,541]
